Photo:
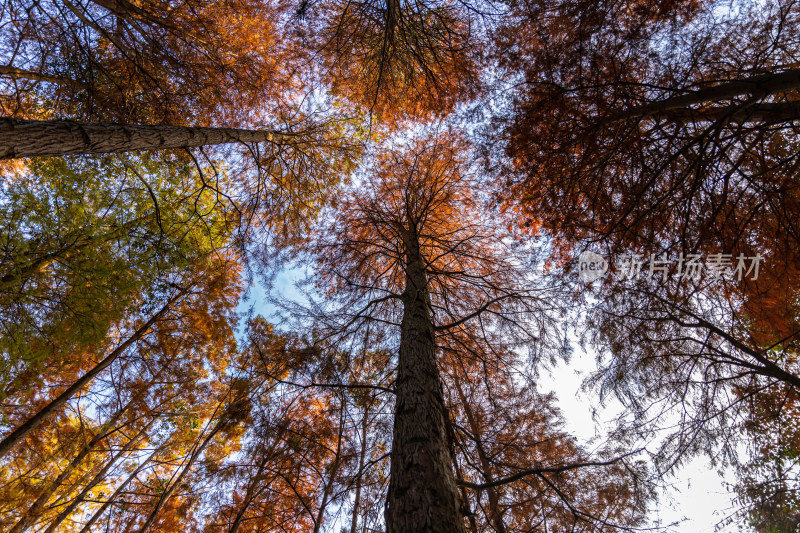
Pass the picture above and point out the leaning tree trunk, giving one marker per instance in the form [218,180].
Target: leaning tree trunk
[98,478]
[113,499]
[19,434]
[423,496]
[27,138]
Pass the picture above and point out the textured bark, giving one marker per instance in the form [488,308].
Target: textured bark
[28,138]
[423,496]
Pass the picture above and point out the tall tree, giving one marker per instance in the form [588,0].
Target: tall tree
[411,251]
[667,130]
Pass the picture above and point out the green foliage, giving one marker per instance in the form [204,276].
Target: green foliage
[86,244]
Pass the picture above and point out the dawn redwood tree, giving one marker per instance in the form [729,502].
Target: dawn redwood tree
[409,259]
[519,467]
[674,134]
[130,407]
[145,63]
[89,271]
[401,61]
[666,129]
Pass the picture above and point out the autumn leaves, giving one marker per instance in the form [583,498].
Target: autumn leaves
[433,166]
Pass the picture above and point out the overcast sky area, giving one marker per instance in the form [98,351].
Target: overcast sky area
[698,500]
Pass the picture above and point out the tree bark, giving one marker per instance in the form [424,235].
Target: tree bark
[28,138]
[762,84]
[423,496]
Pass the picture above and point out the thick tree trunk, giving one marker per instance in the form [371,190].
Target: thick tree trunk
[763,84]
[28,138]
[423,496]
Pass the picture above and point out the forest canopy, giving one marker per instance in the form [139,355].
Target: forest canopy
[277,266]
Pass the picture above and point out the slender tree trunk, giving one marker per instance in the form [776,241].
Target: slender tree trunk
[337,461]
[495,516]
[16,436]
[19,273]
[99,513]
[423,496]
[361,460]
[35,510]
[473,524]
[252,490]
[105,430]
[28,138]
[167,494]
[129,11]
[100,476]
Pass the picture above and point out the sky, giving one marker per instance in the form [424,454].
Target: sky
[698,499]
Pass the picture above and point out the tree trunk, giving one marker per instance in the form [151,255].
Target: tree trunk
[16,436]
[96,516]
[337,461]
[19,273]
[423,496]
[36,509]
[18,73]
[762,84]
[495,516]
[361,460]
[167,494]
[100,476]
[253,490]
[472,523]
[28,138]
